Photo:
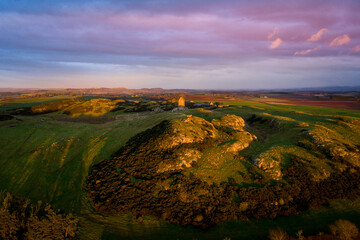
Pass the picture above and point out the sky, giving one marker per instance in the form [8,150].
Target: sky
[195,44]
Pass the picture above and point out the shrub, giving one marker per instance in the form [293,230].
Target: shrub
[300,235]
[344,229]
[9,225]
[52,226]
[278,234]
[21,220]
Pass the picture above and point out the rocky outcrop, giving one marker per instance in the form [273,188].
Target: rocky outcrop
[230,122]
[179,144]
[167,172]
[335,145]
[187,131]
[146,175]
[270,161]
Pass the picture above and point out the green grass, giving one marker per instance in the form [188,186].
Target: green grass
[311,222]
[29,102]
[292,108]
[127,227]
[48,160]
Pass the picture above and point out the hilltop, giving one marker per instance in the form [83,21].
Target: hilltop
[190,171]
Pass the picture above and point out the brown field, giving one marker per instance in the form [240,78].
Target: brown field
[352,105]
[348,104]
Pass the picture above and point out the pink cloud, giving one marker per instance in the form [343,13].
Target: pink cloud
[317,36]
[271,36]
[238,32]
[276,43]
[356,49]
[305,52]
[340,40]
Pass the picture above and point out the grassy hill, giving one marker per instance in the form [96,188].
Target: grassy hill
[45,158]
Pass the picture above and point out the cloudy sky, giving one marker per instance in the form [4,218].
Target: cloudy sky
[207,44]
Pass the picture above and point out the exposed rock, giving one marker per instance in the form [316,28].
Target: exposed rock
[229,122]
[187,130]
[185,158]
[179,109]
[302,124]
[335,145]
[158,109]
[241,141]
[270,161]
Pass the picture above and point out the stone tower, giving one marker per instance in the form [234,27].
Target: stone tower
[181,102]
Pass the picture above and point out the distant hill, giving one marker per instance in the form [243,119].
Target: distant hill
[330,89]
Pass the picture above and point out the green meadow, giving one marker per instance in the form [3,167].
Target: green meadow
[45,158]
[28,102]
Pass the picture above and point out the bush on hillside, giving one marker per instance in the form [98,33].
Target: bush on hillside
[21,220]
[278,234]
[344,229]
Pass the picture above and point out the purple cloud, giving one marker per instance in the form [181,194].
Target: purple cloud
[168,34]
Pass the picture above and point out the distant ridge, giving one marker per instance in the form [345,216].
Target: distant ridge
[303,89]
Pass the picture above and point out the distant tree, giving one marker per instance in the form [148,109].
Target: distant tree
[344,229]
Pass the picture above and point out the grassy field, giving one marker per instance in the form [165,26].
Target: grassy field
[29,102]
[39,153]
[45,159]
